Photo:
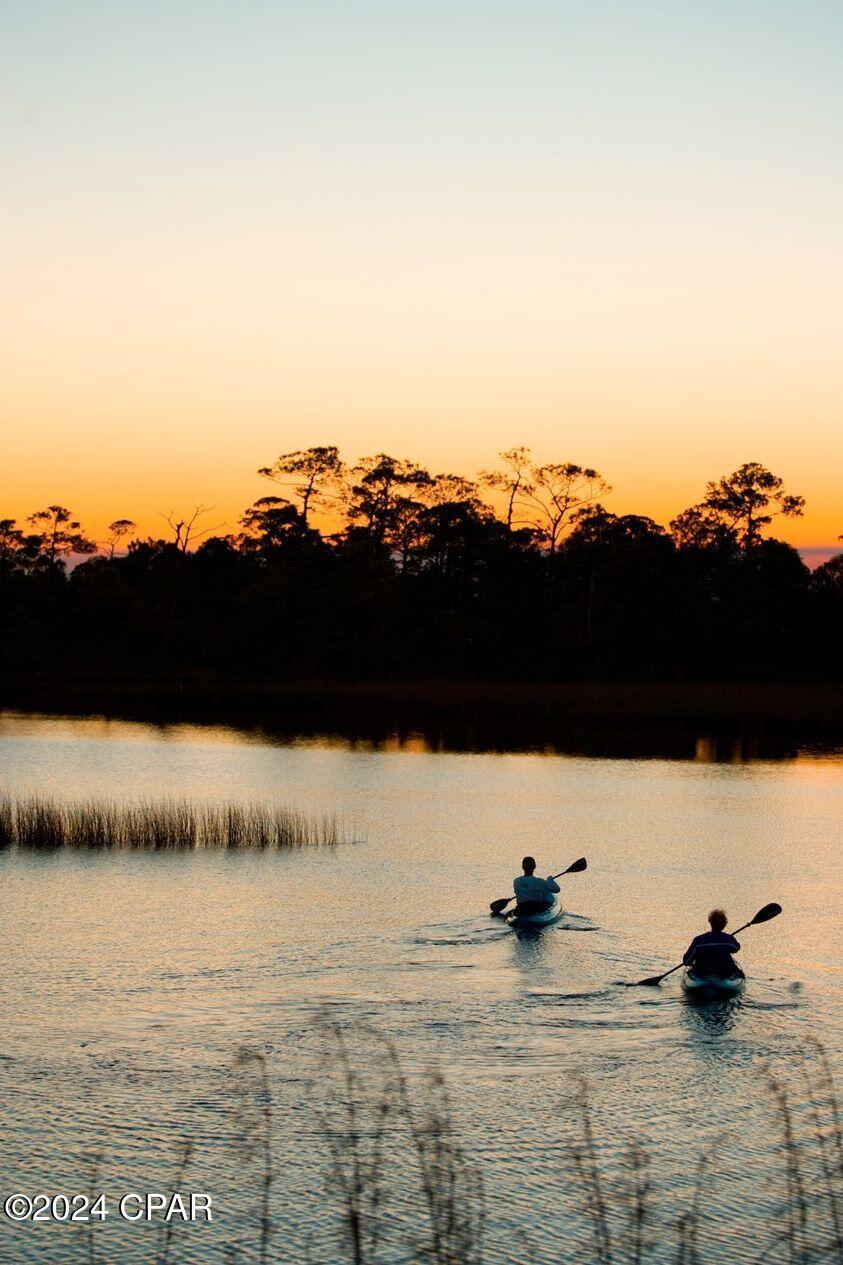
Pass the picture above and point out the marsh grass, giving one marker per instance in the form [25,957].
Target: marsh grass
[401,1186]
[392,1149]
[95,1161]
[811,1216]
[625,1222]
[397,1185]
[34,822]
[254,1127]
[804,1227]
[165,1237]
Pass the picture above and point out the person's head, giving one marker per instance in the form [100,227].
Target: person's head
[717,920]
[528,865]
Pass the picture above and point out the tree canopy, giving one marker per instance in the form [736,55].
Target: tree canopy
[379,568]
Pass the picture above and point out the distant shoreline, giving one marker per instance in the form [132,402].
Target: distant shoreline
[804,708]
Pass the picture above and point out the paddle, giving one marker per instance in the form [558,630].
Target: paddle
[764,915]
[498,906]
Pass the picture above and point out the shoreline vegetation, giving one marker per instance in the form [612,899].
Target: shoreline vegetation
[383,571]
[37,823]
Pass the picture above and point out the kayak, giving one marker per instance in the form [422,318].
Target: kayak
[543,918]
[709,986]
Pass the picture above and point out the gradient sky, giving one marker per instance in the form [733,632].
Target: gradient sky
[611,231]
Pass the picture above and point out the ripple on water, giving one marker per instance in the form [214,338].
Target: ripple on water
[129,983]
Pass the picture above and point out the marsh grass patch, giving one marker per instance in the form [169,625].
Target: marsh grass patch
[41,823]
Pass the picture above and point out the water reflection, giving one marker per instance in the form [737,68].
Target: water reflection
[713,1016]
[533,737]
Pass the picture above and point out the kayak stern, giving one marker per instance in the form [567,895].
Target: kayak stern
[543,918]
[707,987]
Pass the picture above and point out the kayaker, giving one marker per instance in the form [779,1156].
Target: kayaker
[711,953]
[533,894]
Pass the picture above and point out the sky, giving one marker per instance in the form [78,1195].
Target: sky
[610,231]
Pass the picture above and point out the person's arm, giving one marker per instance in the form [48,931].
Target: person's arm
[552,885]
[690,952]
[734,947]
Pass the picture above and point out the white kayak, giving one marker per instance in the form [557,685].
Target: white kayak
[543,918]
[710,986]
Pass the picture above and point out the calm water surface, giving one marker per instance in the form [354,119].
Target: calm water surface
[129,981]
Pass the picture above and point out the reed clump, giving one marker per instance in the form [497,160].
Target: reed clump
[398,1184]
[34,822]
[393,1184]
[401,1187]
[804,1225]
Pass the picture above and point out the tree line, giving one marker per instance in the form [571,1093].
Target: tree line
[383,569]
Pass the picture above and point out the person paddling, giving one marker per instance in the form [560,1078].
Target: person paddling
[533,894]
[711,953]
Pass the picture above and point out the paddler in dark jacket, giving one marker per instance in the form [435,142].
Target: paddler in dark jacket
[711,953]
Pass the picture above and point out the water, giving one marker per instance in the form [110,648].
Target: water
[129,981]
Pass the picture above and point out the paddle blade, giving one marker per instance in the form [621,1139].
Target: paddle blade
[498,906]
[578,866]
[764,915]
[652,982]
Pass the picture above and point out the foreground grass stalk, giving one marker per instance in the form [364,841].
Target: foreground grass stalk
[588,1171]
[797,1207]
[356,1142]
[829,1139]
[167,1232]
[255,1134]
[96,1159]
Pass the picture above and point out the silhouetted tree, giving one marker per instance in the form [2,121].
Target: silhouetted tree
[444,489]
[186,531]
[17,550]
[701,527]
[57,534]
[618,594]
[382,494]
[269,522]
[513,481]
[120,528]
[827,621]
[744,502]
[274,524]
[314,474]
[558,494]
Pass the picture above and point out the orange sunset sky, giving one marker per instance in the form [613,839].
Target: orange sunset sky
[611,232]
